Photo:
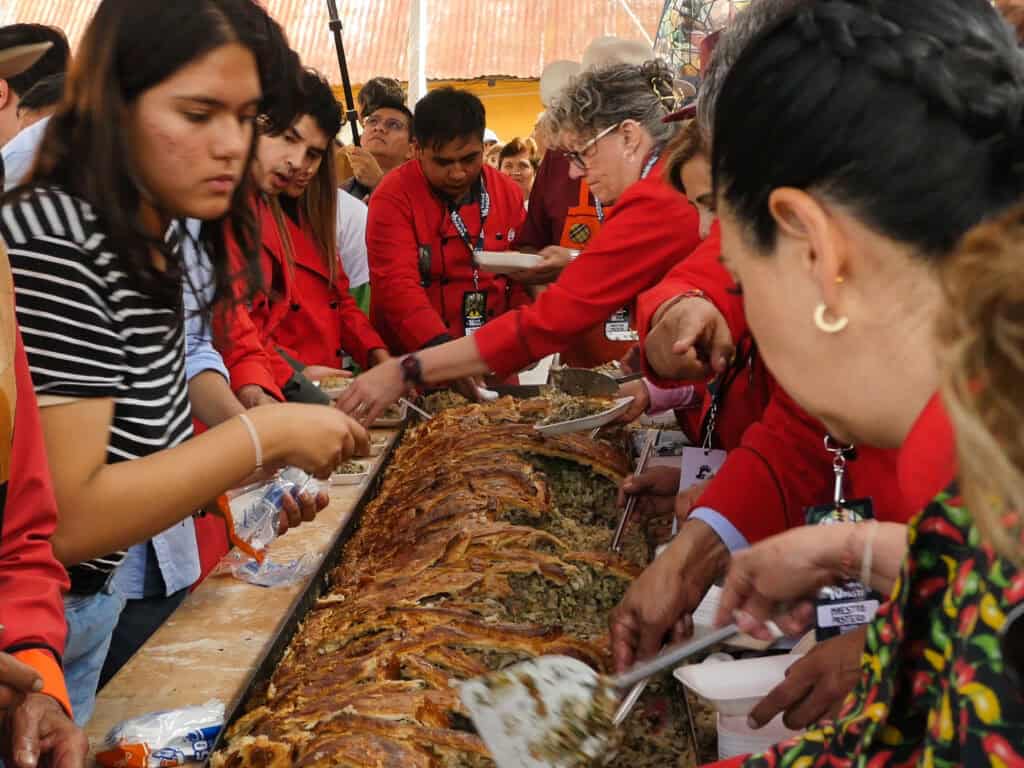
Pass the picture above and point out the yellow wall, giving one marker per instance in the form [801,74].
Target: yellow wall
[512,105]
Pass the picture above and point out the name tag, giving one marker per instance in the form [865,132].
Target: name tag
[616,327]
[846,616]
[699,464]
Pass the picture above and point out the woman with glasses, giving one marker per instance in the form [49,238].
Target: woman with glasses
[896,128]
[386,144]
[612,120]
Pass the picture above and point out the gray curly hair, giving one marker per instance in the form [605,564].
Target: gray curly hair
[599,98]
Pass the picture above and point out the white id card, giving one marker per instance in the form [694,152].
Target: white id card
[699,464]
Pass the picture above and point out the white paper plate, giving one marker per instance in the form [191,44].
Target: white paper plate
[384,422]
[704,621]
[353,478]
[735,687]
[340,479]
[587,422]
[333,392]
[506,261]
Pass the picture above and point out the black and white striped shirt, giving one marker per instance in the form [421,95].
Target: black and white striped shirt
[88,333]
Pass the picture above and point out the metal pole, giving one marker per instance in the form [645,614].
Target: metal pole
[346,83]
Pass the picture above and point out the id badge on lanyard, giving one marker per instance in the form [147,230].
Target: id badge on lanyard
[474,303]
[701,463]
[844,607]
[618,328]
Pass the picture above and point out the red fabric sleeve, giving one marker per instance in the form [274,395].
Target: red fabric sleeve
[538,227]
[646,234]
[779,469]
[702,271]
[32,581]
[245,357]
[392,250]
[358,336]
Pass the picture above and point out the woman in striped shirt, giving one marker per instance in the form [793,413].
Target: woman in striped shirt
[157,124]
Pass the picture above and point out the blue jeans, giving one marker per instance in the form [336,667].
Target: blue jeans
[91,621]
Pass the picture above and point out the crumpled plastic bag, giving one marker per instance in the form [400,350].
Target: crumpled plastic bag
[169,738]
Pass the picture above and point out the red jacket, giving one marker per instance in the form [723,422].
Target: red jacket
[324,321]
[420,269]
[563,212]
[651,228]
[299,311]
[777,464]
[32,581]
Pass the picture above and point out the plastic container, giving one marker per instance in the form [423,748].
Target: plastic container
[734,688]
[736,738]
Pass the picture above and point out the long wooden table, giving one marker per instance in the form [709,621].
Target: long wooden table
[213,643]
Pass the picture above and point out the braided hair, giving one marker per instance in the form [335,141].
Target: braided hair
[908,113]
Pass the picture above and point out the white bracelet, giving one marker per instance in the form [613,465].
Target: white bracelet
[868,556]
[256,444]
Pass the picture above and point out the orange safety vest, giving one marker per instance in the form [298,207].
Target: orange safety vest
[592,348]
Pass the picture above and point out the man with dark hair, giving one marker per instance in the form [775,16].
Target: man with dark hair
[387,143]
[41,100]
[429,221]
[34,111]
[54,61]
[299,328]
[378,90]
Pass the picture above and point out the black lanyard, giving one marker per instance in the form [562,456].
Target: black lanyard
[651,162]
[743,359]
[463,230]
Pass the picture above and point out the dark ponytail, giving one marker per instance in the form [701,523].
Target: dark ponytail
[909,113]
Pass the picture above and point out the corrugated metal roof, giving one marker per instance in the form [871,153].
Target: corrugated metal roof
[468,39]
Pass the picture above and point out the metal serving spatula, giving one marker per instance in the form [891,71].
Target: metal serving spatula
[555,711]
[584,382]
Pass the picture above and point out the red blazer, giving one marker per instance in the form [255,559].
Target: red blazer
[31,579]
[409,230]
[323,322]
[298,310]
[650,229]
[777,464]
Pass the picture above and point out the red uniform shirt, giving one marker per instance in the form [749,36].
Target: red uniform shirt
[777,464]
[651,228]
[563,212]
[421,269]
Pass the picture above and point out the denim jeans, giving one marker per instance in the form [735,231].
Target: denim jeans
[91,621]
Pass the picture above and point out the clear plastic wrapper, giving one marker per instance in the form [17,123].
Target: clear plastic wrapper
[253,515]
[169,738]
[265,574]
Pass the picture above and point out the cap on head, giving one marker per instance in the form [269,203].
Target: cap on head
[18,58]
[554,79]
[607,50]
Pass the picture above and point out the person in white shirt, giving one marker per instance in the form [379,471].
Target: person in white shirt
[13,89]
[34,111]
[352,247]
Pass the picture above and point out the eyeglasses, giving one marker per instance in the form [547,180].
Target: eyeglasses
[577,157]
[391,125]
[1011,643]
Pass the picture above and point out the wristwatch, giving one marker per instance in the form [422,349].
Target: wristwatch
[412,371]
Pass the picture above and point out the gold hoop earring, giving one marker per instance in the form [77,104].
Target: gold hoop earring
[828,326]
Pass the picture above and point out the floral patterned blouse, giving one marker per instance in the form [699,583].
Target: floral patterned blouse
[933,690]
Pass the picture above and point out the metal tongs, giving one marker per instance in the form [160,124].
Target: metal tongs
[636,692]
[627,510]
[539,712]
